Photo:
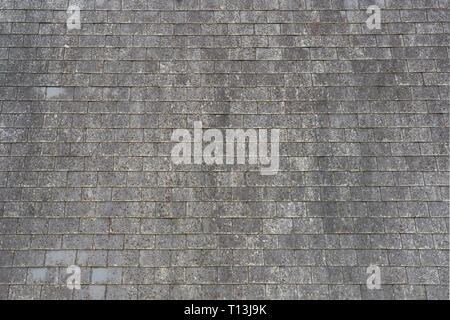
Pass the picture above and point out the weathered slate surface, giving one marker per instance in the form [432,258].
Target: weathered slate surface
[86,177]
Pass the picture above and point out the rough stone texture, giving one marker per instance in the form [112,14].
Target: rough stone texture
[86,177]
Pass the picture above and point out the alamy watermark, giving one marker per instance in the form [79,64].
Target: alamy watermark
[374,21]
[374,280]
[74,280]
[74,20]
[188,150]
